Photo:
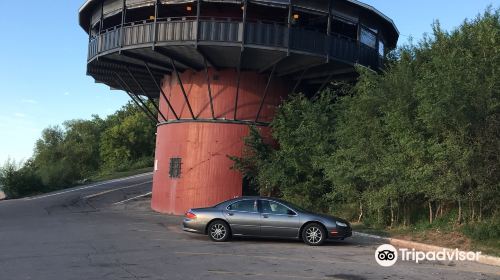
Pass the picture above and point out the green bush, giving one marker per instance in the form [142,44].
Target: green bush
[485,230]
[419,138]
[20,180]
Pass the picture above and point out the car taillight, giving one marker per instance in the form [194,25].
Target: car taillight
[190,215]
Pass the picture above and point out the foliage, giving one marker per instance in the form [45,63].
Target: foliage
[19,180]
[81,149]
[418,143]
[484,230]
[127,140]
[63,157]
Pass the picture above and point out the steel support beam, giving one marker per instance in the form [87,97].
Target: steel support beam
[209,89]
[328,30]
[358,41]
[98,37]
[299,80]
[217,121]
[101,22]
[155,28]
[265,93]
[242,49]
[244,18]
[289,25]
[161,91]
[323,85]
[198,8]
[182,88]
[145,93]
[238,80]
[145,109]
[272,64]
[300,68]
[124,15]
[155,122]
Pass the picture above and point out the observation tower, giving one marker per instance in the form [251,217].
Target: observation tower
[211,68]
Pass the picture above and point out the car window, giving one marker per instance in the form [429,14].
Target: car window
[244,205]
[294,206]
[272,207]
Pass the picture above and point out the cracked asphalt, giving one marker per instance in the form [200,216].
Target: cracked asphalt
[85,233]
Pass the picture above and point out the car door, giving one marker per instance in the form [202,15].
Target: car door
[243,217]
[278,220]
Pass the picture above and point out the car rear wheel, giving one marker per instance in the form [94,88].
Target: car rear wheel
[218,231]
[313,234]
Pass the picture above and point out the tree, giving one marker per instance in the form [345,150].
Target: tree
[128,140]
[423,136]
[19,180]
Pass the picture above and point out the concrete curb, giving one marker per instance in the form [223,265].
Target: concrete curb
[484,259]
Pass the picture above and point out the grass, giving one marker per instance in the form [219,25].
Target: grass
[121,174]
[449,238]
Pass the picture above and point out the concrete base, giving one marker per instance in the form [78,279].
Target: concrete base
[484,259]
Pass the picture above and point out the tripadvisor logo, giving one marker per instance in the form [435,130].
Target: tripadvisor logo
[387,255]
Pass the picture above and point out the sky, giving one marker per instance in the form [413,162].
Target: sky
[43,55]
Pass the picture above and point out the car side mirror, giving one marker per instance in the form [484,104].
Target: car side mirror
[291,213]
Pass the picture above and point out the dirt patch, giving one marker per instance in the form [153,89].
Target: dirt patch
[439,238]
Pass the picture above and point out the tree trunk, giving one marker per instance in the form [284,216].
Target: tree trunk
[360,212]
[469,213]
[406,214]
[459,219]
[392,214]
[480,209]
[398,213]
[437,211]
[430,213]
[473,212]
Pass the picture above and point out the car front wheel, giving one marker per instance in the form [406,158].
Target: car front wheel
[218,231]
[313,234]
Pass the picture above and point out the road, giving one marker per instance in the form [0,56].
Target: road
[89,233]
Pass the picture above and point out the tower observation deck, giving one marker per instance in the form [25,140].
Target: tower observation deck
[213,67]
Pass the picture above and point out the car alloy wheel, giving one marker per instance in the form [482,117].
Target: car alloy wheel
[218,231]
[313,235]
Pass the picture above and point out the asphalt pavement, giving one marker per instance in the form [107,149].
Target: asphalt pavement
[107,231]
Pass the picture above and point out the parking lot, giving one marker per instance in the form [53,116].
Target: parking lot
[103,232]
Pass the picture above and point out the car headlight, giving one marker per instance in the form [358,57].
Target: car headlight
[340,224]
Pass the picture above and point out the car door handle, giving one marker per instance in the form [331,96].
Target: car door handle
[265,216]
[230,214]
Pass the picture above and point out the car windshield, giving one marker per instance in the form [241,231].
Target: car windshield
[219,204]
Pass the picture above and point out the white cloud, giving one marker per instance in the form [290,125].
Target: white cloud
[19,115]
[66,93]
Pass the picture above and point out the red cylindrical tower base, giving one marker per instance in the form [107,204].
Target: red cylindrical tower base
[202,145]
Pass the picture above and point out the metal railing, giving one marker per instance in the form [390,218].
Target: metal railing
[231,30]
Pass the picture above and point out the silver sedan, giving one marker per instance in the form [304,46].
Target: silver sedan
[264,217]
